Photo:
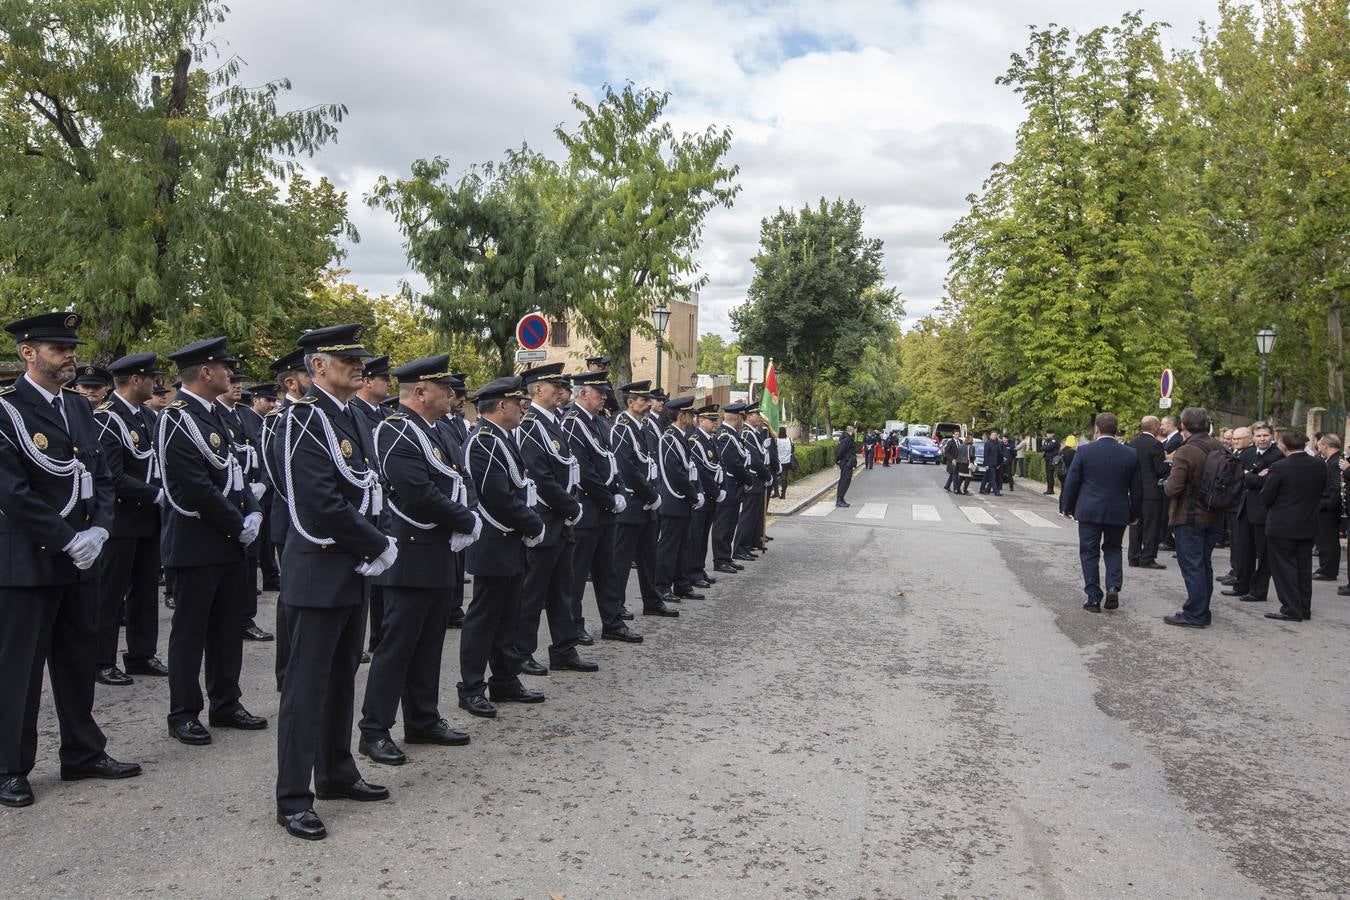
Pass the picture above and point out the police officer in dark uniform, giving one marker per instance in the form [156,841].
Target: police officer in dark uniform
[333,549]
[548,579]
[737,480]
[681,496]
[93,383]
[263,403]
[506,499]
[295,382]
[428,518]
[638,469]
[245,441]
[454,425]
[703,452]
[653,423]
[211,519]
[750,526]
[368,401]
[57,497]
[602,499]
[129,566]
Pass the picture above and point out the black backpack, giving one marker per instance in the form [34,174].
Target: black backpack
[1220,488]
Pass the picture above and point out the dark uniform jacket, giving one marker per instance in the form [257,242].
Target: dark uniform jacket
[735,461]
[490,459]
[270,445]
[373,415]
[1152,465]
[1292,494]
[845,453]
[1252,507]
[549,463]
[325,506]
[426,488]
[636,467]
[759,462]
[703,452]
[129,447]
[33,532]
[598,469]
[205,506]
[677,479]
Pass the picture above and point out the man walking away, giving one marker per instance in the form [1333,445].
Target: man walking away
[1293,493]
[949,454]
[1152,471]
[1050,450]
[1194,525]
[1103,493]
[870,440]
[845,457]
[1329,513]
[993,462]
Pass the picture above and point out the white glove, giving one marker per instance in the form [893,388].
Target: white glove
[84,548]
[379,564]
[258,489]
[655,504]
[722,496]
[459,541]
[699,503]
[537,539]
[252,525]
[159,498]
[620,503]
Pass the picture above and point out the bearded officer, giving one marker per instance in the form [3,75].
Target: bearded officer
[506,499]
[681,495]
[333,549]
[548,579]
[211,519]
[429,520]
[56,496]
[703,452]
[734,459]
[129,566]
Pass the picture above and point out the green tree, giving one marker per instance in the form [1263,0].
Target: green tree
[874,391]
[816,297]
[143,189]
[651,191]
[717,356]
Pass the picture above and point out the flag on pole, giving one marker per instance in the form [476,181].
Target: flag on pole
[769,405]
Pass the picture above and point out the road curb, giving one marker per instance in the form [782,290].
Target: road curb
[799,505]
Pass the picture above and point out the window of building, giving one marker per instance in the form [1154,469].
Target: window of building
[558,334]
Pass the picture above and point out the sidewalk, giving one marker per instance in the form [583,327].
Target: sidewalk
[808,490]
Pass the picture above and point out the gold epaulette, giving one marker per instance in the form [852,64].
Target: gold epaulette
[7,390]
[396,417]
[305,400]
[178,404]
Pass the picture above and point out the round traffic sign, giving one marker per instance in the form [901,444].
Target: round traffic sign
[1165,384]
[532,331]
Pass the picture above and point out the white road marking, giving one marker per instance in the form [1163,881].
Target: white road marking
[822,508]
[872,511]
[924,513]
[1032,519]
[978,516]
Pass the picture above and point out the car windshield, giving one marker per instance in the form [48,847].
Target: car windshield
[921,442]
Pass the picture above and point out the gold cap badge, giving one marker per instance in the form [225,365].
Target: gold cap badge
[40,440]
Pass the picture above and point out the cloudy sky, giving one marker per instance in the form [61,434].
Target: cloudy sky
[890,103]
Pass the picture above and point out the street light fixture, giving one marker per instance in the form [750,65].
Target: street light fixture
[1265,343]
[660,318]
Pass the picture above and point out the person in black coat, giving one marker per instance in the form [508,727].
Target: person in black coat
[333,549]
[1251,582]
[681,496]
[57,504]
[245,442]
[368,401]
[1050,450]
[428,518]
[1329,513]
[993,465]
[1293,492]
[750,525]
[734,458]
[703,453]
[1143,550]
[1102,491]
[846,458]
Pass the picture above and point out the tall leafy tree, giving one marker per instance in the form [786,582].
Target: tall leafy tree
[142,188]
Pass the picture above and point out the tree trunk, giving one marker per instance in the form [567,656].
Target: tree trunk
[1335,355]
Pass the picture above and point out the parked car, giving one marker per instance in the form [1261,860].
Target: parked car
[920,450]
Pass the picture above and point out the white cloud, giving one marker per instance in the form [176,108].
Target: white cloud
[891,104]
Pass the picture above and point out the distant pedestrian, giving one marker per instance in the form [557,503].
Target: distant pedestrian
[950,451]
[1293,493]
[1329,512]
[964,454]
[1050,450]
[1023,447]
[1103,493]
[993,462]
[1195,527]
[869,442]
[787,460]
[846,458]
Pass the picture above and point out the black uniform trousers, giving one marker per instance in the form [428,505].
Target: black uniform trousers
[457,582]
[249,599]
[547,587]
[407,664]
[1291,570]
[1144,533]
[672,573]
[751,519]
[1241,544]
[488,639]
[283,631]
[696,550]
[376,615]
[128,574]
[724,530]
[314,723]
[648,540]
[628,537]
[268,553]
[54,626]
[1254,576]
[206,622]
[593,557]
[845,479]
[1329,543]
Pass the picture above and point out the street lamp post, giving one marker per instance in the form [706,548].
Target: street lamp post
[1265,342]
[660,318]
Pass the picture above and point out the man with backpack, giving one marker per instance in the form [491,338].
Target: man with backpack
[1205,481]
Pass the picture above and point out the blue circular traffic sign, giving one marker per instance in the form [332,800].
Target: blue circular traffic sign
[532,331]
[1165,384]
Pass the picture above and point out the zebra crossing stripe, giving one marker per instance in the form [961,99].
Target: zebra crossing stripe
[978,516]
[925,513]
[1032,519]
[822,508]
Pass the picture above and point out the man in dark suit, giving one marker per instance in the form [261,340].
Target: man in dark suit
[638,470]
[681,495]
[1050,450]
[1143,551]
[210,520]
[295,383]
[454,424]
[368,401]
[846,458]
[1293,492]
[333,501]
[703,452]
[993,465]
[129,566]
[57,497]
[1329,512]
[750,525]
[245,441]
[263,403]
[1102,491]
[428,518]
[1251,558]
[734,459]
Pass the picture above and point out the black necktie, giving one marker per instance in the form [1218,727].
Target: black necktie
[60,411]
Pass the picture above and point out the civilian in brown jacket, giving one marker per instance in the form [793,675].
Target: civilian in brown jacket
[1194,526]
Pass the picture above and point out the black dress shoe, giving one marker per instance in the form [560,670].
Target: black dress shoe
[190,732]
[585,638]
[770,537]
[113,676]
[241,719]
[744,557]
[660,609]
[576,664]
[478,705]
[691,595]
[1112,599]
[1167,547]
[842,504]
[254,633]
[515,695]
[1284,617]
[306,825]
[382,750]
[152,666]
[1233,592]
[626,616]
[1152,564]
[1317,577]
[703,583]
[665,598]
[442,734]
[271,585]
[359,790]
[365,657]
[1184,623]
[530,667]
[1091,607]
[455,621]
[15,792]
[1344,590]
[1133,563]
[1226,579]
[103,767]
[1252,598]
[625,634]
[169,603]
[726,568]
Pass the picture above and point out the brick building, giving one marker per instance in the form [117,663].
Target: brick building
[679,354]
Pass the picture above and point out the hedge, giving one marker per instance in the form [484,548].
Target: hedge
[812,457]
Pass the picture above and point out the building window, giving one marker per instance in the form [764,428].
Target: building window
[558,334]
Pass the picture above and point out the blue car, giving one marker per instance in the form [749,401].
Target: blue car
[920,450]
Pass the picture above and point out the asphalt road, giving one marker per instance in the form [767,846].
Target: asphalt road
[900,700]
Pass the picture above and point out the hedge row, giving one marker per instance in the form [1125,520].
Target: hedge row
[813,457]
